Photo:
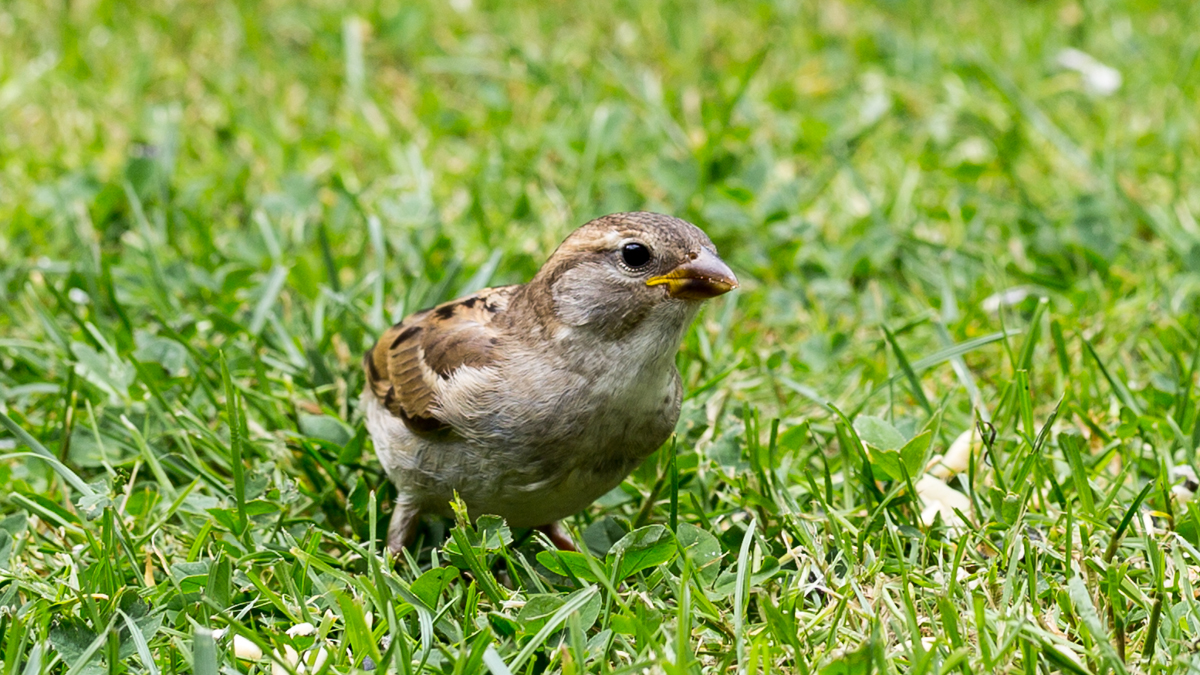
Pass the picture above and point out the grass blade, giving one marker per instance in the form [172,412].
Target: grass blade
[1090,618]
[572,605]
[1118,386]
[233,413]
[914,382]
[1073,447]
[204,652]
[271,289]
[40,451]
[741,595]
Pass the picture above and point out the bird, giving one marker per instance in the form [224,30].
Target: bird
[531,401]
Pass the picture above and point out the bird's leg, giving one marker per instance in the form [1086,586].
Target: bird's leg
[558,535]
[403,526]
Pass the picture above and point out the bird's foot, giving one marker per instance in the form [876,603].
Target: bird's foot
[559,536]
[403,528]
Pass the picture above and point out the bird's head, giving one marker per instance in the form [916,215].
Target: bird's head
[618,271]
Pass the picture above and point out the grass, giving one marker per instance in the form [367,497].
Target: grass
[209,210]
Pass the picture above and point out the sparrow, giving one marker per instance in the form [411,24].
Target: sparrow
[531,401]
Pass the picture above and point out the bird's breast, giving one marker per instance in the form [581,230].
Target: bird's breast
[602,409]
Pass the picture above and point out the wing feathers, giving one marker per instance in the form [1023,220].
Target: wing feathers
[413,361]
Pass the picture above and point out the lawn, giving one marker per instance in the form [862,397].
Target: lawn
[948,423]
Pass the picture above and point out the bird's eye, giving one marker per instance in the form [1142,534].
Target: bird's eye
[635,254]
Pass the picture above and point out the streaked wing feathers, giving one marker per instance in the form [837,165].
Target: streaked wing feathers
[410,364]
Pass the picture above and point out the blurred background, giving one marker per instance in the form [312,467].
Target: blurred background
[281,180]
[923,199]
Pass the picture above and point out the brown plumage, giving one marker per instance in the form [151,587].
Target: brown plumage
[531,401]
[405,365]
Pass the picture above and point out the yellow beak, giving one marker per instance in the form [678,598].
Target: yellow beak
[704,276]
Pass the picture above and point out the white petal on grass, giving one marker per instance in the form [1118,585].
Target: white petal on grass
[1185,483]
[1098,78]
[1148,524]
[246,650]
[974,150]
[1183,472]
[958,456]
[1005,298]
[927,642]
[315,658]
[301,630]
[941,498]
[280,662]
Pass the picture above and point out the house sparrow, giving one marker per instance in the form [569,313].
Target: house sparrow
[531,401]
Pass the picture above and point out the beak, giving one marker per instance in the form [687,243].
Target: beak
[700,278]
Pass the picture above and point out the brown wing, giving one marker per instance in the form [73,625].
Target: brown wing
[407,366]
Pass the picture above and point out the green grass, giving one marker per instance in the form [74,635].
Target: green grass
[208,211]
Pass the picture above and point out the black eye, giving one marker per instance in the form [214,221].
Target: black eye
[635,254]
